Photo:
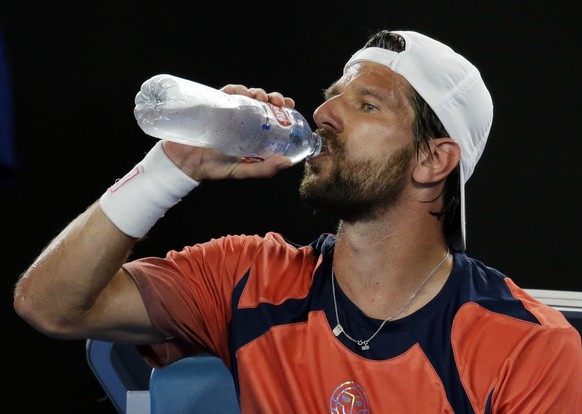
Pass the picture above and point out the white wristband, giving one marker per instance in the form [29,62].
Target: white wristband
[137,201]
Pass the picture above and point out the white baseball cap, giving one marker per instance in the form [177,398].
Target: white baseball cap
[455,91]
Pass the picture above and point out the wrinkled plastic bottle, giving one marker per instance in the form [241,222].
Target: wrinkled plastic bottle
[175,109]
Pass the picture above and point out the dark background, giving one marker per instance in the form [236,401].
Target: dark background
[76,69]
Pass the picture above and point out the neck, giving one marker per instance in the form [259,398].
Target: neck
[379,265]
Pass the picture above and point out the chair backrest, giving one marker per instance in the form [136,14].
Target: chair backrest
[197,384]
[119,368]
[567,302]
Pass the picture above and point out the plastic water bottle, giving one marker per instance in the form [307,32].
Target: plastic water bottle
[175,109]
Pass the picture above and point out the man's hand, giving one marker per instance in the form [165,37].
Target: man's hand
[209,164]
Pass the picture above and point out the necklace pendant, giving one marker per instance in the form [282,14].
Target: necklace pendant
[365,347]
[338,330]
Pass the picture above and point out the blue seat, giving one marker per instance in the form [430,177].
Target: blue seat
[198,384]
[119,368]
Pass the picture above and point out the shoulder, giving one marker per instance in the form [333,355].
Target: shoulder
[492,290]
[271,239]
[494,309]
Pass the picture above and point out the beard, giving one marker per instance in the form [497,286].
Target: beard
[356,189]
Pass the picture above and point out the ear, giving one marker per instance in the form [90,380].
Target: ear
[436,163]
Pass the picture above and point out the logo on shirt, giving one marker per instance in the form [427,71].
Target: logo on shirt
[349,398]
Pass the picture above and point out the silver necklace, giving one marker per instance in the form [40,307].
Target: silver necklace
[365,344]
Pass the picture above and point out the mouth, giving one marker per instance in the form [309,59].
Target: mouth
[326,139]
[323,152]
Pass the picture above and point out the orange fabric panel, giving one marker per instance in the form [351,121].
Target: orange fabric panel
[406,384]
[517,359]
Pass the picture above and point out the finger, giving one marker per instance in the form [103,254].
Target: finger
[259,94]
[237,89]
[278,99]
[289,102]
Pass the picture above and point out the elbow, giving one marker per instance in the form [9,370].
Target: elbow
[42,319]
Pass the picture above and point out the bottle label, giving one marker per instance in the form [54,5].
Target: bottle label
[280,115]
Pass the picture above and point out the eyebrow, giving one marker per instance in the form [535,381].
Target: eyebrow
[331,91]
[377,93]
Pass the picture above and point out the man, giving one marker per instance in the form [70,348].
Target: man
[389,315]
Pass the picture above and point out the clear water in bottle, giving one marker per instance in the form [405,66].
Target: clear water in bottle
[175,109]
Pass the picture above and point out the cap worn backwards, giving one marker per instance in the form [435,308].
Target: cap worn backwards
[455,91]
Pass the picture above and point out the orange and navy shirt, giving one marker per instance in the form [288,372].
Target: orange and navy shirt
[265,307]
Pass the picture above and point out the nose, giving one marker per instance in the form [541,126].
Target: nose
[326,116]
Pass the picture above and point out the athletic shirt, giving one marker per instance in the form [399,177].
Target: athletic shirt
[265,307]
